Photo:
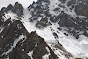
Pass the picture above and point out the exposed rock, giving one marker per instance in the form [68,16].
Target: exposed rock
[3,9]
[82,9]
[38,9]
[9,7]
[1,19]
[63,1]
[72,2]
[42,23]
[66,34]
[55,35]
[47,1]
[59,28]
[18,9]
[1,22]
[66,20]
[85,33]
[29,42]
[80,6]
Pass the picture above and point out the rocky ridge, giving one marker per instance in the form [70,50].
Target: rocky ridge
[16,42]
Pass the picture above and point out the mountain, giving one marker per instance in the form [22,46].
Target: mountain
[19,43]
[47,29]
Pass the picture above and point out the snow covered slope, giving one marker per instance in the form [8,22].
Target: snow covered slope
[62,24]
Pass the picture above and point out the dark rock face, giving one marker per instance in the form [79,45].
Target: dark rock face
[64,19]
[42,23]
[6,9]
[18,9]
[82,8]
[7,38]
[15,32]
[3,9]
[55,35]
[1,22]
[1,19]
[71,3]
[39,10]
[18,54]
[80,24]
[47,1]
[63,1]
[9,7]
[28,42]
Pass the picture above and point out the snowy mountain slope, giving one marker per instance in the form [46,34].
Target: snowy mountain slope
[58,22]
[70,43]
[19,43]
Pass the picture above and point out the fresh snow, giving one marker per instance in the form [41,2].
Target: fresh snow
[72,45]
[53,5]
[8,15]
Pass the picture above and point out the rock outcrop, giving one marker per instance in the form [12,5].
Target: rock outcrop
[78,19]
[17,43]
[61,17]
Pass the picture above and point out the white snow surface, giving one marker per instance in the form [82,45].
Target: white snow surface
[71,44]
[30,54]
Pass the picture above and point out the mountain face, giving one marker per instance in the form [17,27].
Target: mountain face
[18,44]
[69,14]
[47,29]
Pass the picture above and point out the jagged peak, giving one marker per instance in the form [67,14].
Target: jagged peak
[64,21]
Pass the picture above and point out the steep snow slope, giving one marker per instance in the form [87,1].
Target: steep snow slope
[69,42]
[25,3]
[77,47]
